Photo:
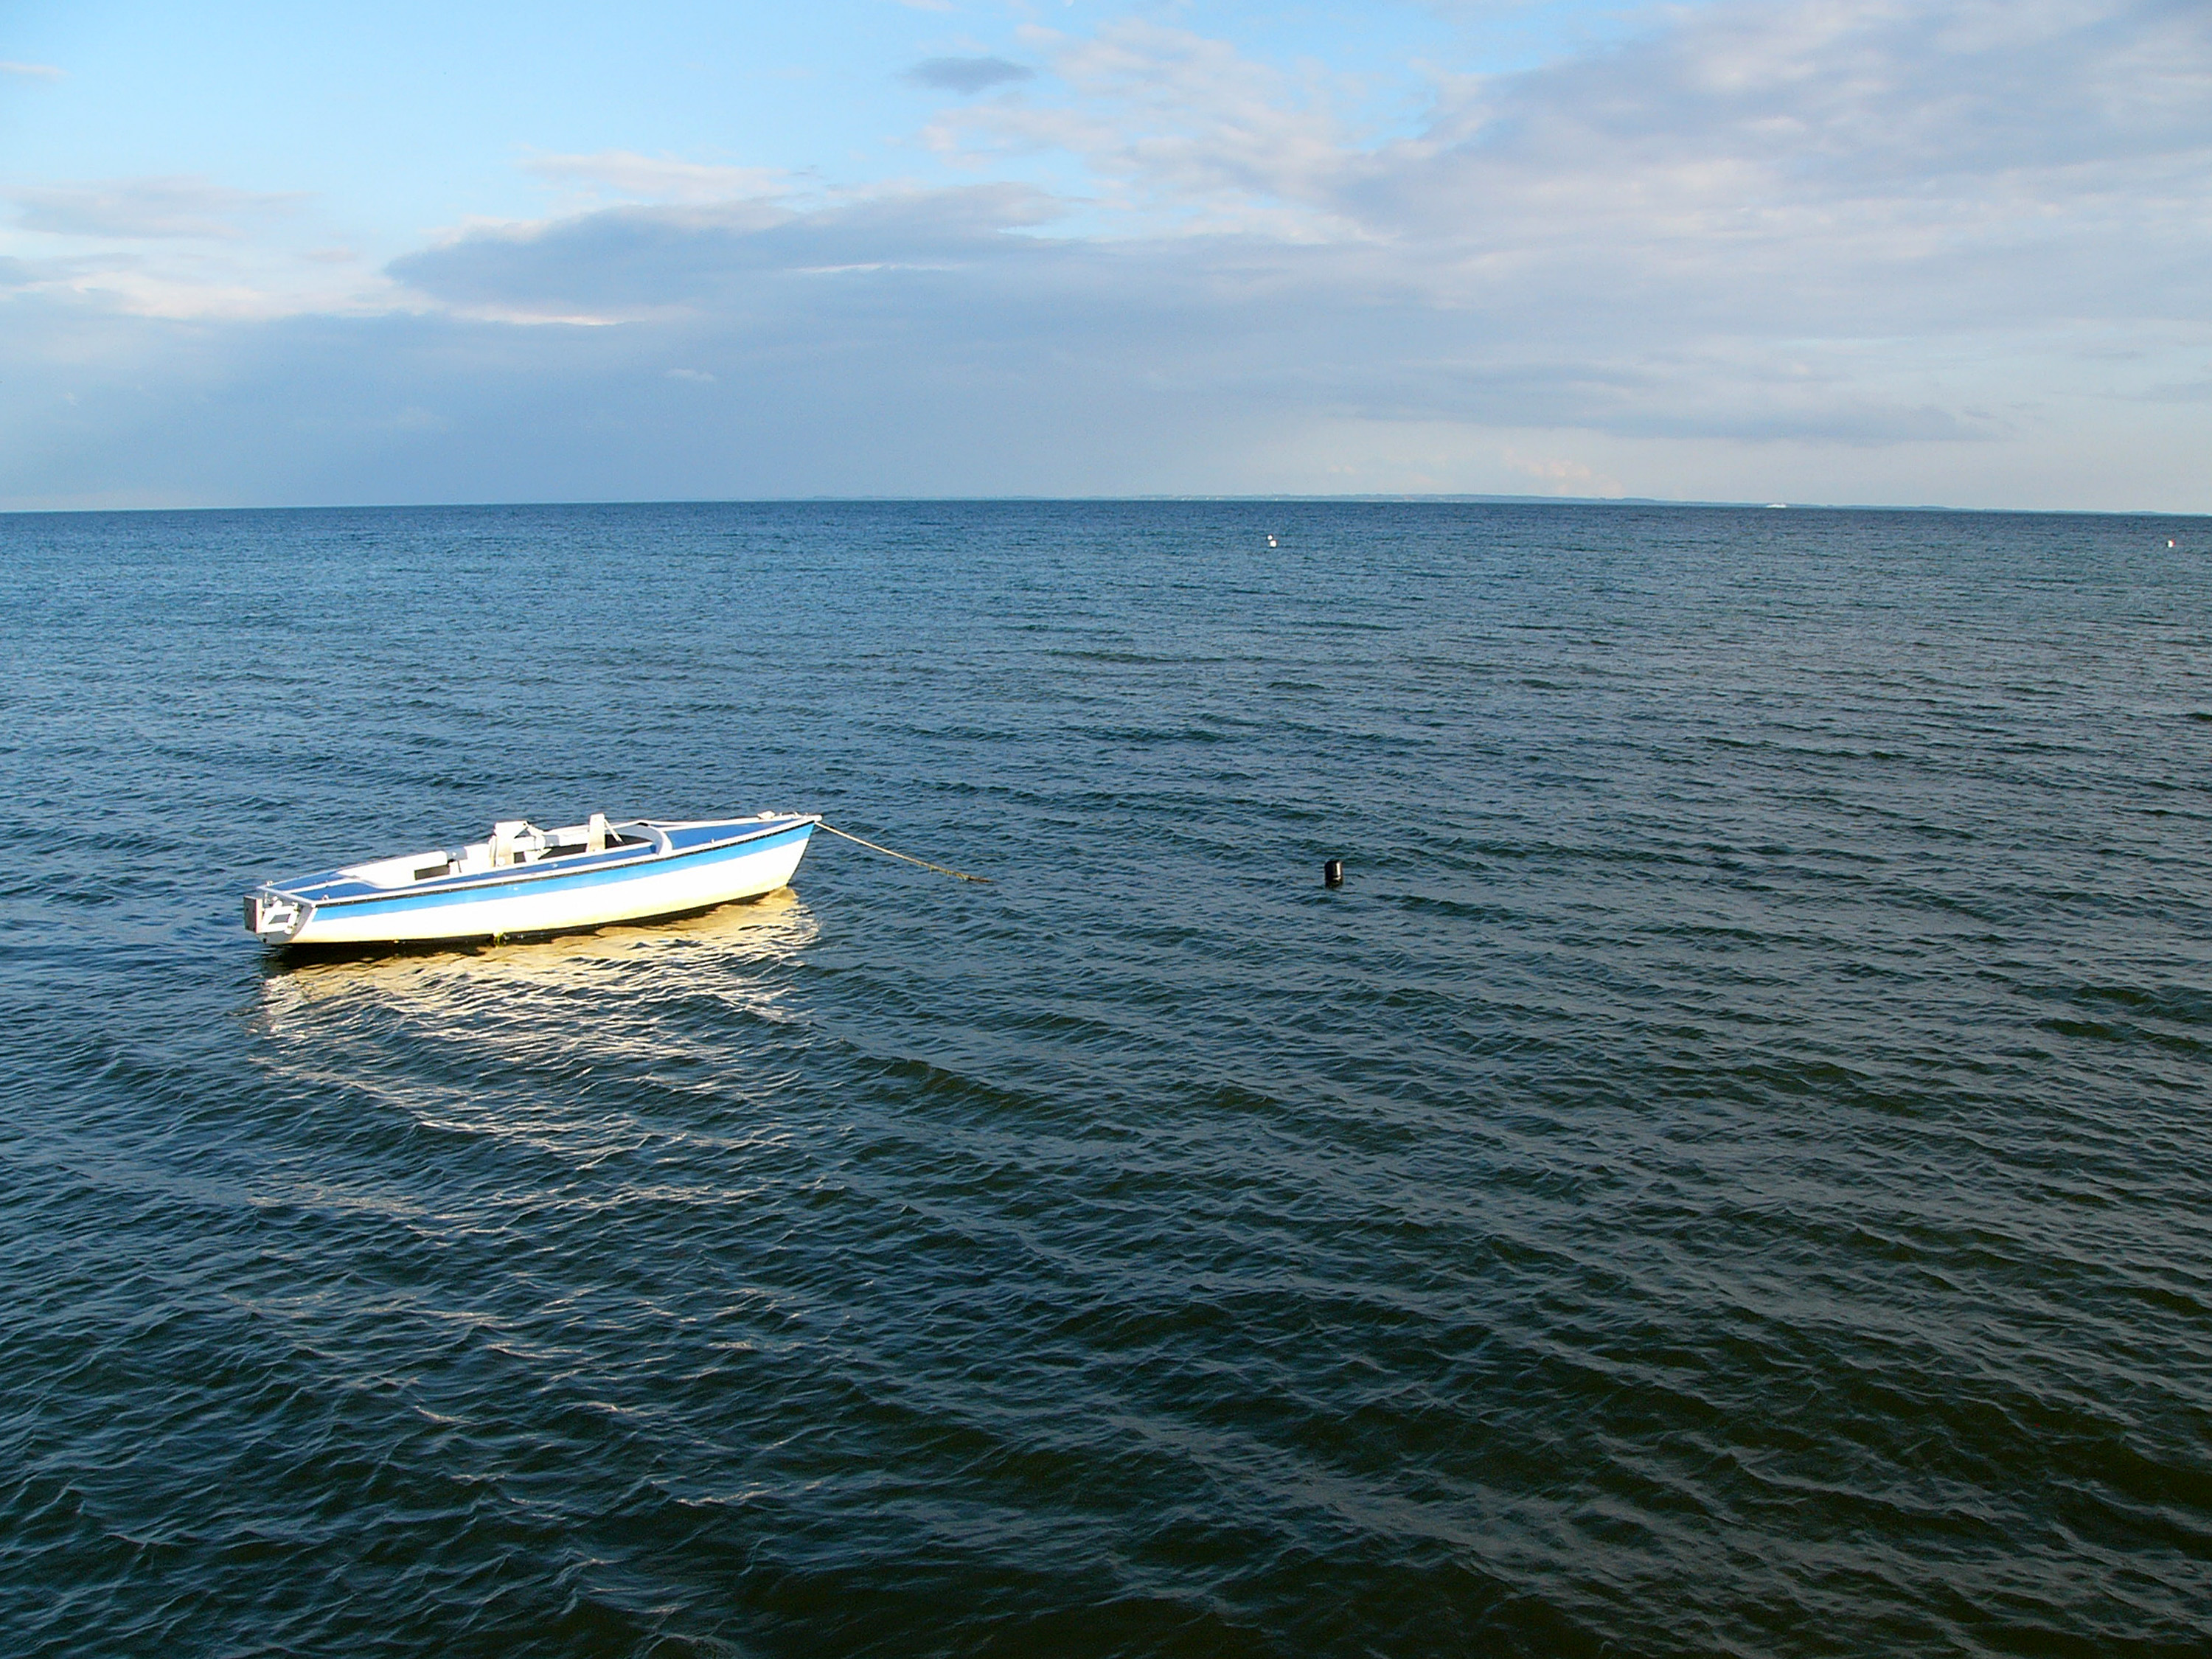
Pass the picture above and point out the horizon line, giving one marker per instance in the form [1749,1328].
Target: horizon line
[1361,497]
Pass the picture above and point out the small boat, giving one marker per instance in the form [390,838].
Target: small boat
[524,881]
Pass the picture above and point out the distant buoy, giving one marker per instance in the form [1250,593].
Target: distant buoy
[1271,541]
[1331,874]
[2169,541]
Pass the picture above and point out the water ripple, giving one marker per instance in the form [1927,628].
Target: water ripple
[1727,1174]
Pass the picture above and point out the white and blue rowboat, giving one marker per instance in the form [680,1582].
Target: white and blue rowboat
[523,880]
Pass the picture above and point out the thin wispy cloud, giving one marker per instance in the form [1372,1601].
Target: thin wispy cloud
[657,178]
[1170,121]
[967,75]
[142,208]
[31,71]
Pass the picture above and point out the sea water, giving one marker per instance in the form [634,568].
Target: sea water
[1730,1172]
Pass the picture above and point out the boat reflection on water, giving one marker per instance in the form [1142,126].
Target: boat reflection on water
[673,1005]
[765,929]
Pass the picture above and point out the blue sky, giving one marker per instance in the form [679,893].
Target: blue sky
[1941,251]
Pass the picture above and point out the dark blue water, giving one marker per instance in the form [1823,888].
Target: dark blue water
[1730,1173]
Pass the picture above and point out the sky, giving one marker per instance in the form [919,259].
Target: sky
[1954,253]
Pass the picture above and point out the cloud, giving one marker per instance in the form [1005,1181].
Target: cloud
[1173,122]
[1564,477]
[32,71]
[2180,392]
[953,278]
[657,178]
[1830,169]
[967,75]
[1047,370]
[637,262]
[1824,143]
[148,208]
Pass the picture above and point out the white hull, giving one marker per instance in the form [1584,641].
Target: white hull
[472,899]
[503,915]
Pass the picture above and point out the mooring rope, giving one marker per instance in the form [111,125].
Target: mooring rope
[942,869]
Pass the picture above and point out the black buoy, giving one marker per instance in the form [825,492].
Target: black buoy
[1331,874]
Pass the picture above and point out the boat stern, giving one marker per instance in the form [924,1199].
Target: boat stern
[275,917]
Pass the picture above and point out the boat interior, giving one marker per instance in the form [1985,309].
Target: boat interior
[512,842]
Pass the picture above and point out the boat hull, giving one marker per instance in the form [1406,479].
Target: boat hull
[537,900]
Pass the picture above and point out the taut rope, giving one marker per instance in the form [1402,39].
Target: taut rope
[941,869]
